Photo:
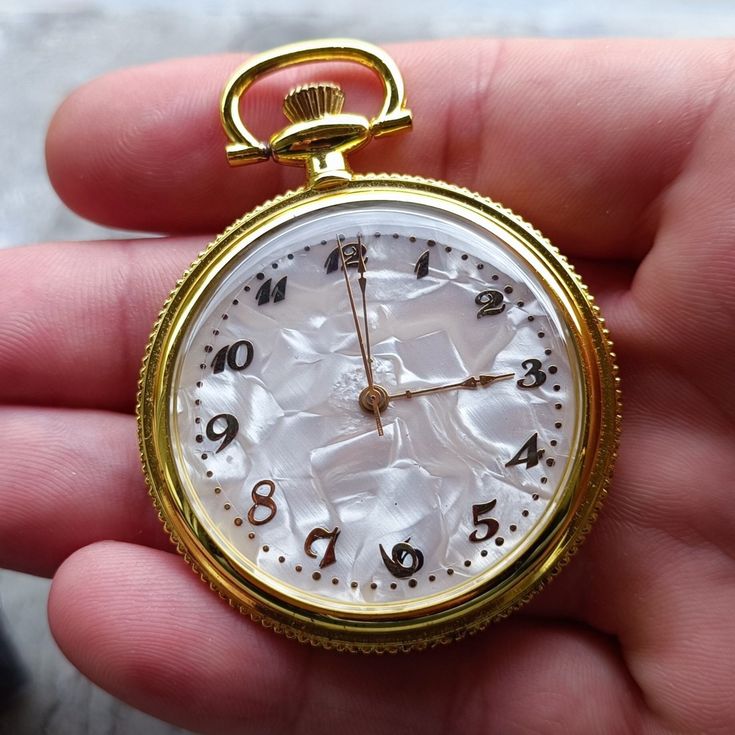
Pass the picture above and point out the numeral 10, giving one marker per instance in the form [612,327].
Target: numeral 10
[236,356]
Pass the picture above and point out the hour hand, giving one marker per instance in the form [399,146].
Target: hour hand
[471,383]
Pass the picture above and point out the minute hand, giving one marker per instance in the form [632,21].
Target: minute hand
[471,383]
[365,354]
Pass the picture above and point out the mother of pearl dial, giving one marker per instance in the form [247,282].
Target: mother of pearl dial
[289,476]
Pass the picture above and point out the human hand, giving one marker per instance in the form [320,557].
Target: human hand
[622,154]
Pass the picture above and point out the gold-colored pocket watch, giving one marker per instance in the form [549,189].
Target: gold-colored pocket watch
[377,412]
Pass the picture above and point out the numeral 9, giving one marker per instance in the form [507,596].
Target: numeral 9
[227,434]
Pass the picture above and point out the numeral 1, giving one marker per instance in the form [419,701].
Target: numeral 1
[421,269]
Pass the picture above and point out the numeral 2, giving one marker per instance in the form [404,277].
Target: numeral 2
[491,302]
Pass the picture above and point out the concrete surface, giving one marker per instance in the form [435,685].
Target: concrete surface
[48,48]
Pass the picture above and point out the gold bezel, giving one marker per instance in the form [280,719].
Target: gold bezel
[451,615]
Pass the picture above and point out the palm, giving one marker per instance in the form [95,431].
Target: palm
[622,155]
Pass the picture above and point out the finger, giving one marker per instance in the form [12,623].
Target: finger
[581,138]
[76,318]
[70,478]
[684,288]
[199,664]
[657,570]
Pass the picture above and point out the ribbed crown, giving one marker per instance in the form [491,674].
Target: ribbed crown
[312,101]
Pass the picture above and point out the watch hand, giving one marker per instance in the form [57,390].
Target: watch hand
[471,382]
[361,269]
[372,397]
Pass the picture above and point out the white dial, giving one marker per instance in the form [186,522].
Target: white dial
[288,474]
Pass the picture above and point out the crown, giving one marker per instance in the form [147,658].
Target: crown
[313,101]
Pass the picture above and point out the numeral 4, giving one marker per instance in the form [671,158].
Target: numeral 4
[529,454]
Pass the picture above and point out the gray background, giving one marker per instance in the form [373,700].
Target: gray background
[48,48]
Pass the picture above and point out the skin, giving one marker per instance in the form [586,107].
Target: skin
[620,152]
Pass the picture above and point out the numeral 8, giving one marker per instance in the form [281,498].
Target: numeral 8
[263,501]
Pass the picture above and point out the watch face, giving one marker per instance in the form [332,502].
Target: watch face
[287,473]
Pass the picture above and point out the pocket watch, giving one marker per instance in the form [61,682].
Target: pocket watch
[380,411]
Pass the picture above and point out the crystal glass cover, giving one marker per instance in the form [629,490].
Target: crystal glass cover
[288,475]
